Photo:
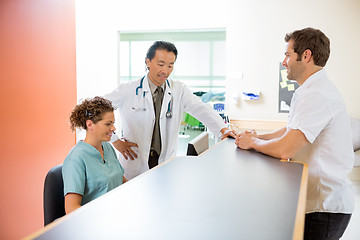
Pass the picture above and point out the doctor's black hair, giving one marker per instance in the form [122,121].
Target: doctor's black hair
[90,109]
[160,45]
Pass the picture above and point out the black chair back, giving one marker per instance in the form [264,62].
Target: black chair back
[54,205]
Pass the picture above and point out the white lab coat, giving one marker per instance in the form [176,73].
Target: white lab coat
[138,118]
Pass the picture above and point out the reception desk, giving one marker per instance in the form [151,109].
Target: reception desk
[226,193]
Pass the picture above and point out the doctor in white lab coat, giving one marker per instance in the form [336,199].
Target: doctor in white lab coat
[135,101]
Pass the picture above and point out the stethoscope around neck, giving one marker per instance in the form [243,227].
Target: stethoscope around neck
[169,110]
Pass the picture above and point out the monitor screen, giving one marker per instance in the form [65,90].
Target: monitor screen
[198,145]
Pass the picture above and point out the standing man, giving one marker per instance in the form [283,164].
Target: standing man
[317,133]
[151,110]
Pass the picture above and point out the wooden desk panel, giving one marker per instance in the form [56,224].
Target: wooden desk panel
[226,193]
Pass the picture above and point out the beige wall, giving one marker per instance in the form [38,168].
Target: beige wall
[255,43]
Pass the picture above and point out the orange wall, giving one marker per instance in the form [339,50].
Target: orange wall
[37,93]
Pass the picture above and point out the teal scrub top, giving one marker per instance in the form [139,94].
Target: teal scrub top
[85,173]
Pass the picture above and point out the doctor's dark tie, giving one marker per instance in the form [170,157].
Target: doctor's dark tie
[156,138]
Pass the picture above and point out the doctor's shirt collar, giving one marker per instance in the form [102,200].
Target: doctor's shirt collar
[153,86]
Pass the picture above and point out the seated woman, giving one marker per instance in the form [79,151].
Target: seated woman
[91,169]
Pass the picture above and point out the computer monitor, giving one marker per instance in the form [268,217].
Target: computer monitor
[198,145]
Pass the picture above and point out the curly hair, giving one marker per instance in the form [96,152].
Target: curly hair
[90,109]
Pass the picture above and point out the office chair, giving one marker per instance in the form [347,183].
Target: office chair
[53,195]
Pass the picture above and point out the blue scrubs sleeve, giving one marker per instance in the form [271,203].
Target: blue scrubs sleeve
[74,174]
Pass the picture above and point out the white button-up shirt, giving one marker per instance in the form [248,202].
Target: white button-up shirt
[318,110]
